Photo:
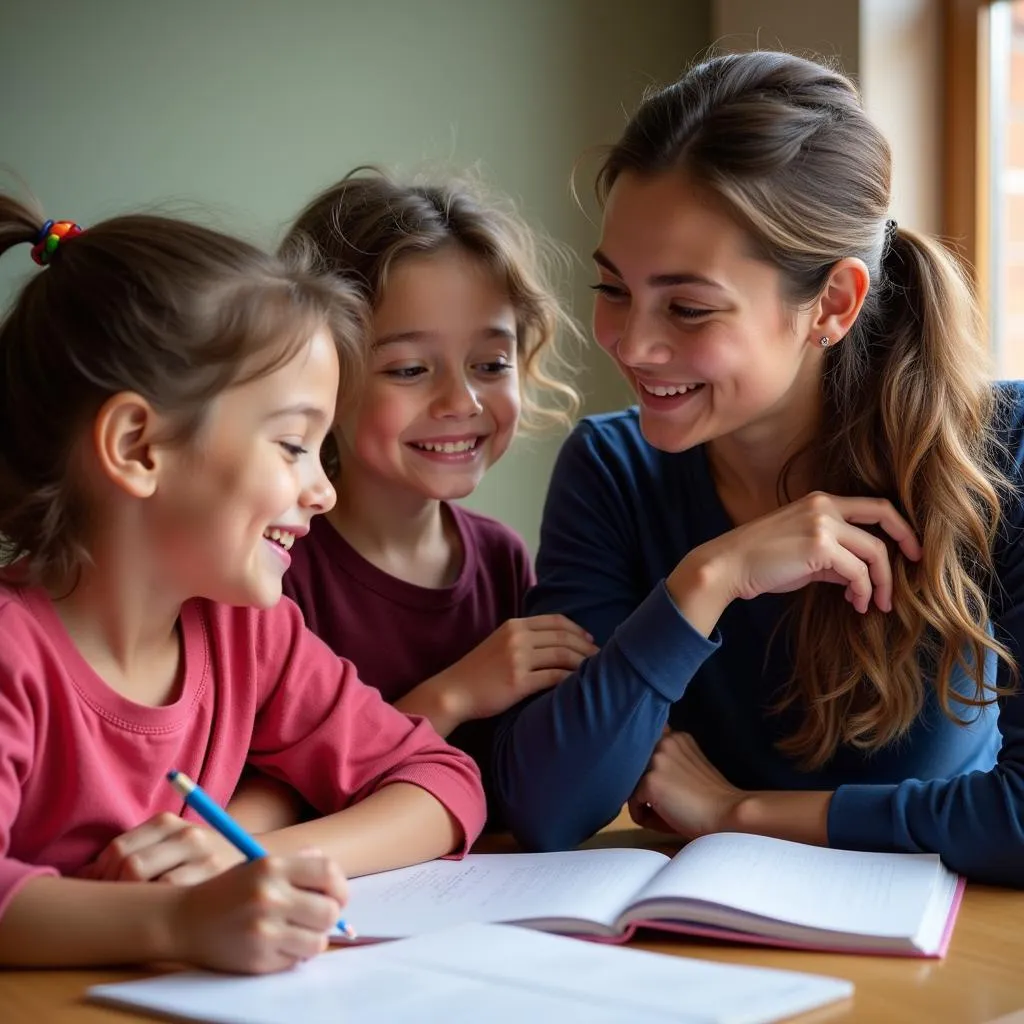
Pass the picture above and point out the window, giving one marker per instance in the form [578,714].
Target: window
[984,166]
[1005,88]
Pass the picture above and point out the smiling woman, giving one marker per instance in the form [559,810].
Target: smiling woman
[792,550]
[744,350]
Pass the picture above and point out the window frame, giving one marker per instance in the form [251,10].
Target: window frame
[966,213]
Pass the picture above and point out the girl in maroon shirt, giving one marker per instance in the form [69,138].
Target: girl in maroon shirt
[424,596]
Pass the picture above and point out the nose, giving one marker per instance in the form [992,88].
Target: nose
[641,343]
[456,398]
[318,494]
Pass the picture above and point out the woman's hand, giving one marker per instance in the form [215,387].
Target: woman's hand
[818,538]
[519,658]
[683,792]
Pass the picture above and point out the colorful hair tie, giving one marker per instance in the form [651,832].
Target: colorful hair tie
[51,234]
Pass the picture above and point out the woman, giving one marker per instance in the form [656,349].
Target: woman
[801,553]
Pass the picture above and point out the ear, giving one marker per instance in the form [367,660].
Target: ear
[840,301]
[123,435]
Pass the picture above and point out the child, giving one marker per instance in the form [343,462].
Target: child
[165,393]
[422,594]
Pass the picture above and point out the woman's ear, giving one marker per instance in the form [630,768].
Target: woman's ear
[840,301]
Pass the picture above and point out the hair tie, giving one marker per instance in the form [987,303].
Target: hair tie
[50,236]
[891,227]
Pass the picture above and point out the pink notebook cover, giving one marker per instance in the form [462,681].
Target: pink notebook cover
[725,934]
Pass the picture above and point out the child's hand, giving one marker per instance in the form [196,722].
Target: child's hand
[259,917]
[165,849]
[521,657]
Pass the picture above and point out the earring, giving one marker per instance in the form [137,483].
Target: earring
[824,341]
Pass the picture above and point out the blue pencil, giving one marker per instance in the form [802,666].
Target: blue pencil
[216,817]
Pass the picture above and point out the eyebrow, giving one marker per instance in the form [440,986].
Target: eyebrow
[312,412]
[487,334]
[660,280]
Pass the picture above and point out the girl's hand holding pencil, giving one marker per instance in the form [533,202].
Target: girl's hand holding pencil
[266,915]
[263,916]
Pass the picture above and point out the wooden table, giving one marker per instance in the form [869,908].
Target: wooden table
[981,978]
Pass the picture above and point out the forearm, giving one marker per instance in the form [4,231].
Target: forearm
[566,762]
[399,824]
[69,922]
[432,700]
[262,804]
[801,817]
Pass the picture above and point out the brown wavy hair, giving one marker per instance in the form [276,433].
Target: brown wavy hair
[907,405]
[170,310]
[366,222]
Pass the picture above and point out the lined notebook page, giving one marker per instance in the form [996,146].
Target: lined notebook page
[883,894]
[487,972]
[595,885]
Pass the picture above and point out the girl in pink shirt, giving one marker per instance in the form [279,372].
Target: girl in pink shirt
[423,594]
[165,393]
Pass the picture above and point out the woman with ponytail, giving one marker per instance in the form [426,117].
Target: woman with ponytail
[802,551]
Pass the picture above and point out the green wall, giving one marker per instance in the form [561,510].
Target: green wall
[237,112]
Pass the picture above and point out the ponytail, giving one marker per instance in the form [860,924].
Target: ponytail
[908,408]
[19,223]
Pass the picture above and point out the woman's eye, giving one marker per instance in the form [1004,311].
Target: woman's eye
[294,450]
[687,312]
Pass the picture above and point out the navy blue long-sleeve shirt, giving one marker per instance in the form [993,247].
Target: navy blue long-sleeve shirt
[619,516]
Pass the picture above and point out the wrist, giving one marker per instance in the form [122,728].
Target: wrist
[701,588]
[743,814]
[165,934]
[800,816]
[438,699]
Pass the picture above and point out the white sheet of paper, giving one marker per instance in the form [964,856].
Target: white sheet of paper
[493,887]
[504,975]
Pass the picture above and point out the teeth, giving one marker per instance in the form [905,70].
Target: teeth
[448,447]
[663,392]
[283,537]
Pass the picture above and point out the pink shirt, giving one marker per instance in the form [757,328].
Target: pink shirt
[80,764]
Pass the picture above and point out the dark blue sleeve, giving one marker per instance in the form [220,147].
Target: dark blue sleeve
[567,760]
[975,822]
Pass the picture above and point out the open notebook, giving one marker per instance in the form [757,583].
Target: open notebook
[745,887]
[485,973]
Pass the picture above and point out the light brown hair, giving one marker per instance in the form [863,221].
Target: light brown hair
[366,222]
[907,405]
[166,309]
